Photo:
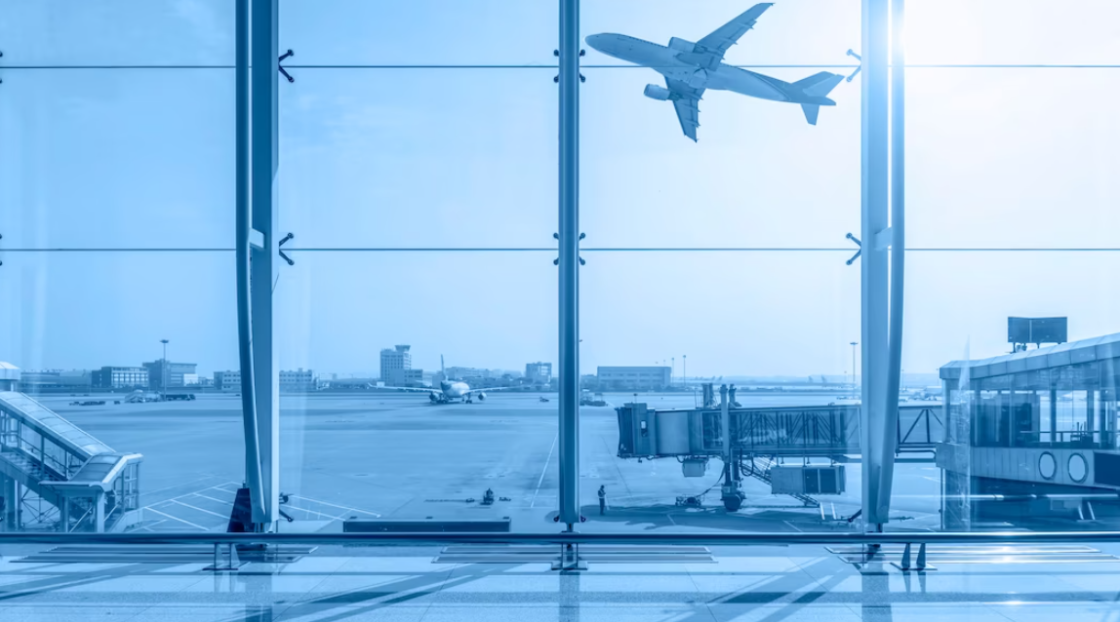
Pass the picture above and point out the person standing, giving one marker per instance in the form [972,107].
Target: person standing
[602,500]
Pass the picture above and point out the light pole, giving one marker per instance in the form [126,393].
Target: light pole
[854,344]
[672,370]
[163,369]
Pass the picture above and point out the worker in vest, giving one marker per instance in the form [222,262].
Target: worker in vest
[602,500]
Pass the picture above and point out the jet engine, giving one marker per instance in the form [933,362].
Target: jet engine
[680,45]
[659,93]
[481,396]
[434,397]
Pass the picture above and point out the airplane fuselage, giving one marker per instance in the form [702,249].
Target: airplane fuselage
[692,69]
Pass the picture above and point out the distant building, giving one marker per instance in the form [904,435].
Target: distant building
[120,378]
[175,373]
[467,372]
[392,360]
[73,380]
[227,380]
[9,377]
[538,373]
[405,378]
[296,381]
[634,378]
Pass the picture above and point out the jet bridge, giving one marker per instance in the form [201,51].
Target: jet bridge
[756,442]
[55,475]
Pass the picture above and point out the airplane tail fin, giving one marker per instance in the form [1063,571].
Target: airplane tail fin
[441,370]
[817,87]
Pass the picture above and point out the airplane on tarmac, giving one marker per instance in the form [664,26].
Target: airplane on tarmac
[450,390]
[691,68]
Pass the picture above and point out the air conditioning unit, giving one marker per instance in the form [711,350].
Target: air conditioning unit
[807,480]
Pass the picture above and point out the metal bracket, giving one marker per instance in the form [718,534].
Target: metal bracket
[232,563]
[856,72]
[582,78]
[556,262]
[569,560]
[1,235]
[287,75]
[288,237]
[859,252]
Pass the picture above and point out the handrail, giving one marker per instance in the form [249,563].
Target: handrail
[564,538]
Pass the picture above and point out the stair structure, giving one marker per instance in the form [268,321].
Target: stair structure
[55,476]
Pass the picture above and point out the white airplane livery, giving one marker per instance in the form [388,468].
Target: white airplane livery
[450,390]
[691,68]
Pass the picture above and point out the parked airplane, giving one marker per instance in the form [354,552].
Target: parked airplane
[691,68]
[450,390]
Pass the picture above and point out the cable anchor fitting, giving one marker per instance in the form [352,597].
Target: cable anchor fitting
[287,75]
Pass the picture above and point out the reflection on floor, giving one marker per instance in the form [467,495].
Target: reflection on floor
[747,584]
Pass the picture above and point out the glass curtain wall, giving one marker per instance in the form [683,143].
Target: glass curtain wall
[716,255]
[418,176]
[117,288]
[1011,195]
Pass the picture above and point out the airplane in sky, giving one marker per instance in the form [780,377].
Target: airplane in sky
[691,68]
[450,390]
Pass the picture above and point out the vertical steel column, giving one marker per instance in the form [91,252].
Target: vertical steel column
[569,263]
[898,246]
[244,230]
[876,433]
[264,264]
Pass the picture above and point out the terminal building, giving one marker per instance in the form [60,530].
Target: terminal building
[120,378]
[538,373]
[297,381]
[9,377]
[229,380]
[54,379]
[394,360]
[176,374]
[634,378]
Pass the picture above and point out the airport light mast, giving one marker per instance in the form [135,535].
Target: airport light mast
[163,369]
[854,344]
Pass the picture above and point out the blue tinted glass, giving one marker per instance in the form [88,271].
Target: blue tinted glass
[407,158]
[121,32]
[117,158]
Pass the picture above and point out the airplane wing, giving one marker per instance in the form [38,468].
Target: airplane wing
[727,35]
[491,389]
[411,389]
[686,100]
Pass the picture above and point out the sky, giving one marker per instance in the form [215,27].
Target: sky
[399,158]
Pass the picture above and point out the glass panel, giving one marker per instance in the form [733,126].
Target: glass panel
[378,158]
[759,175]
[1014,421]
[420,32]
[1012,31]
[351,449]
[122,32]
[994,161]
[657,327]
[83,332]
[133,159]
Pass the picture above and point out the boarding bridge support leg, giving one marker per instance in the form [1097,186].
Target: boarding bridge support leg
[11,502]
[568,263]
[731,492]
[882,267]
[257,250]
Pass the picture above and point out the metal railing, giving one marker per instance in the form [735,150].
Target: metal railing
[564,538]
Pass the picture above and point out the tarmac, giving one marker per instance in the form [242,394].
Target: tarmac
[394,455]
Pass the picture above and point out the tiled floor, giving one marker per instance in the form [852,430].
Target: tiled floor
[751,584]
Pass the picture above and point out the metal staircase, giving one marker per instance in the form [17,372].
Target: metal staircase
[54,475]
[759,467]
